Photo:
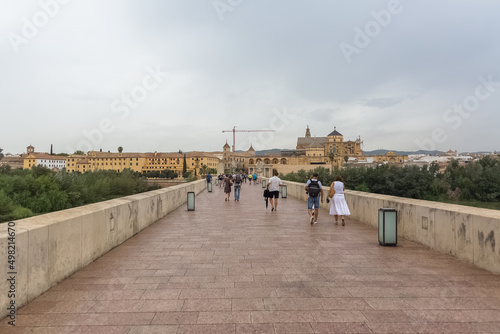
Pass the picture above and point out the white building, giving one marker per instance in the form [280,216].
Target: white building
[51,162]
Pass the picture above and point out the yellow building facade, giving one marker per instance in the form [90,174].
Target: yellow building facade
[138,162]
[333,143]
[329,151]
[141,162]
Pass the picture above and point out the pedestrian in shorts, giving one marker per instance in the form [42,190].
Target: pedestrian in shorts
[273,185]
[314,189]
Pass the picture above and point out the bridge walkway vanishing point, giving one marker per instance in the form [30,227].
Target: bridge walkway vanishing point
[235,267]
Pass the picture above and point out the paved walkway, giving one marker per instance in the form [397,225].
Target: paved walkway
[233,267]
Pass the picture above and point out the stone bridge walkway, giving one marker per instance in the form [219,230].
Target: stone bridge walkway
[233,267]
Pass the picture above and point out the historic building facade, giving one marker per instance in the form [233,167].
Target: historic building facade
[333,143]
[310,152]
[138,162]
[330,151]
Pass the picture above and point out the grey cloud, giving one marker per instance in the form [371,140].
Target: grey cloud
[263,55]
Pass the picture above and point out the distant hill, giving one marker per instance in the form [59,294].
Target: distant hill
[276,151]
[480,152]
[384,151]
[374,152]
[272,151]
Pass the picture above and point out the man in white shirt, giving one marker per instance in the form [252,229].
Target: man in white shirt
[274,185]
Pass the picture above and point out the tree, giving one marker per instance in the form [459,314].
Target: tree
[331,156]
[1,154]
[78,152]
[184,167]
[204,169]
[346,158]
[6,207]
[120,149]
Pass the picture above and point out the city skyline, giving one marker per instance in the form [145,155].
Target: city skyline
[163,76]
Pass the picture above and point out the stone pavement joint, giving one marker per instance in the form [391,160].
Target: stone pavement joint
[235,267]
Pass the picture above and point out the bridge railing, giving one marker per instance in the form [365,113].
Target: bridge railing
[50,247]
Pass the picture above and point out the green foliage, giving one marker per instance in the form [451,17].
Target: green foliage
[164,174]
[120,149]
[6,207]
[19,213]
[24,193]
[78,152]
[1,154]
[476,181]
[5,169]
[184,168]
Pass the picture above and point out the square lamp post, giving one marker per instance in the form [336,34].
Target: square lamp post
[264,183]
[283,191]
[387,227]
[209,187]
[190,201]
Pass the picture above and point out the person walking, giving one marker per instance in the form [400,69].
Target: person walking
[238,180]
[314,189]
[273,185]
[209,178]
[227,187]
[254,177]
[338,205]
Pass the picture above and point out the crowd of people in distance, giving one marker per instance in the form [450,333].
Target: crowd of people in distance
[228,181]
[313,188]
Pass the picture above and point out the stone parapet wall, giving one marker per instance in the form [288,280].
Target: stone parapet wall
[51,247]
[467,233]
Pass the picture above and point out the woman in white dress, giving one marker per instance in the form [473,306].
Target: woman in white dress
[338,206]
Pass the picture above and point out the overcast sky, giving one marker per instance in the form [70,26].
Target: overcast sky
[164,75]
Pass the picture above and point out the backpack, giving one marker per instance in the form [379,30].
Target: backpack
[237,179]
[313,188]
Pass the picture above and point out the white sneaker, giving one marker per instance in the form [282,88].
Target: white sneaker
[315,222]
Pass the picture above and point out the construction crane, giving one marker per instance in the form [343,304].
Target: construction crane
[234,134]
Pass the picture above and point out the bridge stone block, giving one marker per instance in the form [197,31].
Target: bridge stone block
[486,239]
